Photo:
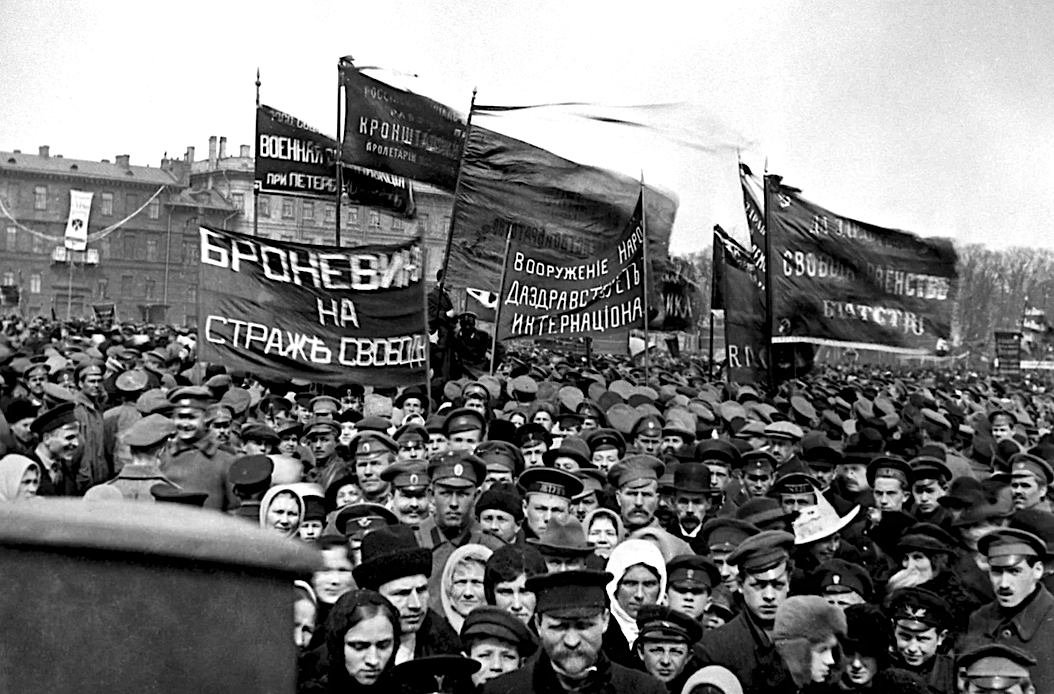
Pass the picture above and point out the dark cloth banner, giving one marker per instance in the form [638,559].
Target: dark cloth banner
[292,158]
[601,296]
[736,293]
[392,130]
[105,313]
[756,223]
[565,211]
[842,282]
[320,313]
[680,296]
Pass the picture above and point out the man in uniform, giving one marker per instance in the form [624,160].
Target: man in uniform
[193,459]
[646,434]
[920,625]
[321,437]
[547,495]
[690,582]
[665,642]
[145,441]
[94,467]
[373,452]
[464,429]
[408,480]
[636,480]
[250,477]
[1030,477]
[996,668]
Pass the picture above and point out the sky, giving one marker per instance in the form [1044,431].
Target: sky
[935,117]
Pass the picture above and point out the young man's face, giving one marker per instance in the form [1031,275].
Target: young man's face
[1026,491]
[719,476]
[691,599]
[452,504]
[409,595]
[917,646]
[495,656]
[539,509]
[763,593]
[664,660]
[889,494]
[515,599]
[1013,584]
[927,495]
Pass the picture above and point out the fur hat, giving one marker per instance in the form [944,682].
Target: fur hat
[390,553]
[808,617]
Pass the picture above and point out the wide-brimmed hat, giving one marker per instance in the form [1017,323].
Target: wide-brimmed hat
[564,539]
[820,521]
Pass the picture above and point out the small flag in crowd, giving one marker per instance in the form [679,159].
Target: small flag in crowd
[484,304]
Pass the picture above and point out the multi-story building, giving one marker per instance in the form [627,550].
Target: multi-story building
[142,230]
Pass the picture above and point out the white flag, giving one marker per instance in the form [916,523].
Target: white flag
[77,225]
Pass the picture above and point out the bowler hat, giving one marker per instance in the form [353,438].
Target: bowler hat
[390,553]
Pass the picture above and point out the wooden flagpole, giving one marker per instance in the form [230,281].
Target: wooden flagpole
[501,300]
[428,346]
[256,184]
[340,144]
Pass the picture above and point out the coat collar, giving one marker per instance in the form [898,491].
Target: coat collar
[1028,620]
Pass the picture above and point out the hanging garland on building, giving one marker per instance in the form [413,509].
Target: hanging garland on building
[97,236]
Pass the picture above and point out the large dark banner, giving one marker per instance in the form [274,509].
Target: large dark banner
[325,314]
[842,282]
[567,212]
[736,293]
[602,296]
[292,158]
[392,130]
[679,290]
[756,224]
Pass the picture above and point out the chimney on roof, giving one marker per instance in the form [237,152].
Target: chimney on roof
[223,148]
[122,160]
[45,151]
[212,152]
[244,153]
[189,156]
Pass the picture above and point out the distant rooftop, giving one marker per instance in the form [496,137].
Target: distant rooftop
[118,170]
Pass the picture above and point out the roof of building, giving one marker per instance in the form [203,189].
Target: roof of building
[58,165]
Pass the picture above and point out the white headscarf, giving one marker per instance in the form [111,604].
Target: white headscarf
[626,555]
[268,499]
[471,550]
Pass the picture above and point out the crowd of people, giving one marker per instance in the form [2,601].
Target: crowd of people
[584,526]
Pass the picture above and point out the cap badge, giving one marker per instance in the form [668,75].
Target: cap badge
[364,522]
[917,613]
[413,479]
[459,470]
[836,579]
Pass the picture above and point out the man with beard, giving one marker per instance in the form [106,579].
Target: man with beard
[920,627]
[454,487]
[636,480]
[665,643]
[394,565]
[59,433]
[1030,477]
[691,491]
[1022,614]
[193,459]
[93,467]
[373,452]
[744,645]
[571,616]
[408,480]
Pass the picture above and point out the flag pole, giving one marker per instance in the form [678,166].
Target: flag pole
[457,192]
[713,292]
[428,346]
[256,183]
[644,253]
[770,181]
[340,147]
[501,301]
[69,296]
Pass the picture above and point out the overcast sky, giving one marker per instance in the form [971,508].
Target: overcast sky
[936,117]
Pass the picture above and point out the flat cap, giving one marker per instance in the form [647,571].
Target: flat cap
[762,552]
[995,666]
[1008,546]
[256,431]
[250,471]
[570,593]
[660,623]
[324,403]
[788,431]
[133,381]
[191,396]
[543,480]
[488,621]
[636,467]
[148,431]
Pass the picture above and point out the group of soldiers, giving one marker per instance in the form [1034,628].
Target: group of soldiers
[574,526]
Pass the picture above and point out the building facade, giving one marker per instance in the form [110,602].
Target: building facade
[142,252]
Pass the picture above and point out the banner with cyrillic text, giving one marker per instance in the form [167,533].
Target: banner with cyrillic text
[603,295]
[76,238]
[736,292]
[389,129]
[843,282]
[566,212]
[293,158]
[324,314]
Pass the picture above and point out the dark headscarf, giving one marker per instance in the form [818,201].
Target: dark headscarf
[339,622]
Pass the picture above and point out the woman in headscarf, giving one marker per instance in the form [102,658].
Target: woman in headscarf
[281,510]
[362,634]
[604,529]
[638,578]
[19,478]
[461,586]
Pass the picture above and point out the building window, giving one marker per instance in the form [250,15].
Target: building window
[126,285]
[129,246]
[330,214]
[151,250]
[191,249]
[40,198]
[239,201]
[102,287]
[105,245]
[140,250]
[9,279]
[12,194]
[288,211]
[375,218]
[265,206]
[132,202]
[353,216]
[34,283]
[38,245]
[154,209]
[107,205]
[25,243]
[397,223]
[445,221]
[422,223]
[309,211]
[11,240]
[151,287]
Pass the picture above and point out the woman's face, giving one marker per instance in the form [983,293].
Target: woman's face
[466,587]
[283,512]
[543,418]
[287,446]
[368,647]
[860,669]
[821,659]
[639,586]
[348,494]
[334,578]
[602,533]
[921,563]
[27,488]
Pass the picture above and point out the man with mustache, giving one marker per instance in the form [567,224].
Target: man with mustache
[408,480]
[637,480]
[193,459]
[572,614]
[1022,614]
[691,500]
[744,645]
[1030,477]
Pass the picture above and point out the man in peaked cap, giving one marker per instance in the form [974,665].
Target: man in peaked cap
[929,482]
[394,565]
[795,491]
[720,537]
[547,494]
[606,447]
[250,477]
[408,481]
[665,642]
[784,441]
[94,465]
[888,477]
[372,453]
[636,481]
[320,436]
[995,668]
[464,429]
[535,441]
[758,472]
[571,617]
[145,441]
[504,462]
[691,580]
[646,434]
[193,459]
[842,583]
[921,622]
[477,398]
[1030,478]
[60,435]
[412,440]
[743,645]
[497,640]
[128,386]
